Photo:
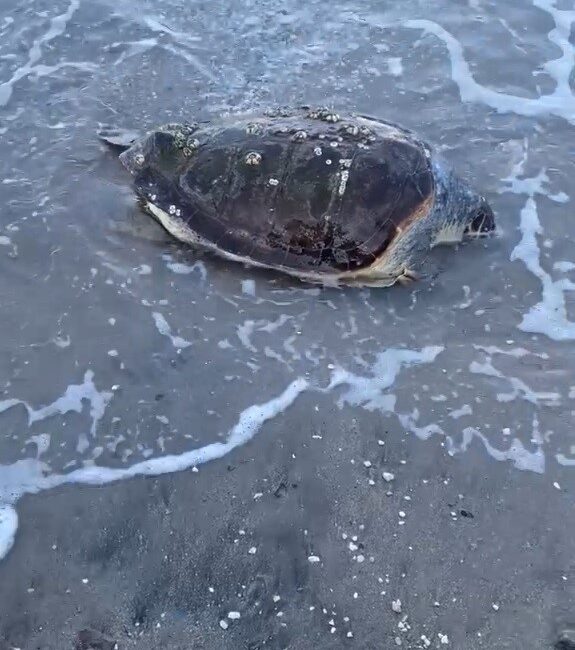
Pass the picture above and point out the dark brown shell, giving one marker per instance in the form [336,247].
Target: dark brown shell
[309,191]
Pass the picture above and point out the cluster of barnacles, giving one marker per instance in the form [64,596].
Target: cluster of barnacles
[324,114]
[183,136]
[361,132]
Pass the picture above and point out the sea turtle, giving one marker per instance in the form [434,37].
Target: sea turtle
[328,199]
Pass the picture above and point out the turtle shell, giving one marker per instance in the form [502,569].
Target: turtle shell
[306,191]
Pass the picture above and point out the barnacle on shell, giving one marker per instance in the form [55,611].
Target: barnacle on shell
[253,158]
[299,136]
[324,114]
[350,129]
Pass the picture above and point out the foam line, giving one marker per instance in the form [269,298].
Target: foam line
[165,330]
[549,316]
[57,28]
[71,401]
[561,102]
[30,475]
[33,475]
[8,528]
[367,392]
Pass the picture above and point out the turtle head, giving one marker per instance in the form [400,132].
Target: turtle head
[460,212]
[481,220]
[165,149]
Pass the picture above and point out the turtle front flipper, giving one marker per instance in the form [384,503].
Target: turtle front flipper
[117,137]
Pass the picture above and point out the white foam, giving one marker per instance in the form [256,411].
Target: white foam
[367,391]
[57,28]
[8,528]
[134,48]
[461,412]
[156,25]
[288,346]
[549,316]
[517,353]
[519,388]
[409,422]
[165,330]
[246,330]
[522,458]
[184,43]
[563,266]
[272,354]
[192,60]
[30,476]
[42,442]
[186,269]
[560,102]
[72,400]
[395,66]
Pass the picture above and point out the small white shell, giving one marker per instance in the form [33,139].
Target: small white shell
[317,151]
[172,209]
[273,181]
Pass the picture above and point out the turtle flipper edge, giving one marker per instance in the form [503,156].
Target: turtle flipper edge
[117,137]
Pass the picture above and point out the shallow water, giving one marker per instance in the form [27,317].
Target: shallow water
[125,353]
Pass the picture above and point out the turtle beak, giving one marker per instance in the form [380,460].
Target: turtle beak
[482,221]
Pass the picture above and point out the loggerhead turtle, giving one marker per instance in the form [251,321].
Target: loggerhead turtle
[331,200]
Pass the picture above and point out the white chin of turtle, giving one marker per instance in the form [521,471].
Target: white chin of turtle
[451,233]
[181,231]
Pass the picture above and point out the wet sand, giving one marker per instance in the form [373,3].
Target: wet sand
[482,554]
